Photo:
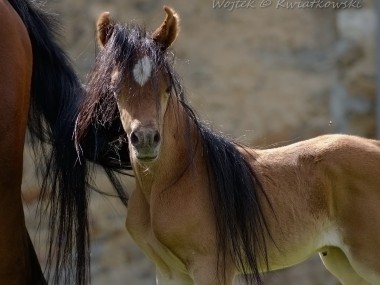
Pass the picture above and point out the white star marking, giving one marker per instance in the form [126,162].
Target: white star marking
[142,70]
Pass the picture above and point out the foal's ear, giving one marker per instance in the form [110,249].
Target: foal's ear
[166,34]
[104,28]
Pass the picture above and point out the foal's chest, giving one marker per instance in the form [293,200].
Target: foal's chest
[139,226]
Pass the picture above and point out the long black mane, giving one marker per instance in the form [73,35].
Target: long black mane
[241,227]
[55,95]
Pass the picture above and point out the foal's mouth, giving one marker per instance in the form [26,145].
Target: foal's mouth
[146,158]
[145,144]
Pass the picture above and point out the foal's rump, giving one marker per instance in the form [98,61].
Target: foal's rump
[326,193]
[355,202]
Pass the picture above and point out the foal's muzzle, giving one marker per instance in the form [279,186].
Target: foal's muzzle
[145,143]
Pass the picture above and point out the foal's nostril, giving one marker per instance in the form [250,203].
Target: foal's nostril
[156,138]
[134,139]
[144,138]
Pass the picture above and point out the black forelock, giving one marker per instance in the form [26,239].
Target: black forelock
[127,44]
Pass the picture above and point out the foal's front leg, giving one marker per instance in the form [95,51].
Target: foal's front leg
[204,272]
[172,278]
[338,264]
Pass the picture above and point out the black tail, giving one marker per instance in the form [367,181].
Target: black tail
[55,95]
[54,92]
[37,276]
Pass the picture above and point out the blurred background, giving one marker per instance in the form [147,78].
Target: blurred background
[267,76]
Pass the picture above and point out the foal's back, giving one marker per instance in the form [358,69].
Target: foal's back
[326,196]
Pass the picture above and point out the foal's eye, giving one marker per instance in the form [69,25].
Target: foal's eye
[168,89]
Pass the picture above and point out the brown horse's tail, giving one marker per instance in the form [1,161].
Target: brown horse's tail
[55,95]
[37,277]
[54,92]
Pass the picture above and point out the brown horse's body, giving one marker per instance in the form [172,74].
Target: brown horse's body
[40,90]
[207,208]
[16,72]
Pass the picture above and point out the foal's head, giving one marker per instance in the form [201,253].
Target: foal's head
[139,77]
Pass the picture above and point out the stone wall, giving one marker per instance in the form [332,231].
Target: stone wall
[267,76]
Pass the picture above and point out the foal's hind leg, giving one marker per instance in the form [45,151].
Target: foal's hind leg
[337,263]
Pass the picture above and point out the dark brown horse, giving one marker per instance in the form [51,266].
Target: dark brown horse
[39,88]
[206,207]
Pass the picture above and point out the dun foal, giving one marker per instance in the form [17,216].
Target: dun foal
[207,208]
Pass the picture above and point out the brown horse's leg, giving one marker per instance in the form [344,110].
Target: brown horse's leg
[337,263]
[15,77]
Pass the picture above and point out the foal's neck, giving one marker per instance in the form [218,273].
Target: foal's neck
[177,154]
